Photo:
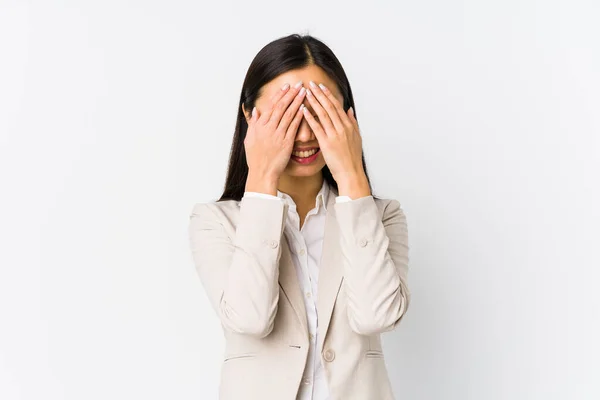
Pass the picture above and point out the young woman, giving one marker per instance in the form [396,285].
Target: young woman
[304,267]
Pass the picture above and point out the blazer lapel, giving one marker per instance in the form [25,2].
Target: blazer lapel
[288,280]
[330,275]
[330,271]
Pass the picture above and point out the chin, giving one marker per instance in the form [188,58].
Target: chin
[303,171]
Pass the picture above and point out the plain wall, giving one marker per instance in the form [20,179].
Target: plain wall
[480,117]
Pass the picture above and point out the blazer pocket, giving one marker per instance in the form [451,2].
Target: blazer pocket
[231,357]
[374,354]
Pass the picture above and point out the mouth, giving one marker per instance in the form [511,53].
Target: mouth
[306,156]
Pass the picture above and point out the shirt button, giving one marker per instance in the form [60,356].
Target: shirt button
[306,381]
[274,244]
[308,294]
[363,242]
[312,337]
[329,355]
[302,252]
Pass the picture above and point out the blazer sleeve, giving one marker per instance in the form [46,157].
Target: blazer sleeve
[375,257]
[240,274]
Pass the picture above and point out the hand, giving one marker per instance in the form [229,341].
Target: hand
[270,138]
[339,139]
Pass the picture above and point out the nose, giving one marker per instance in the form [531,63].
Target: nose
[305,133]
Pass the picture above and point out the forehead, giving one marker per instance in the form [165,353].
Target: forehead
[305,74]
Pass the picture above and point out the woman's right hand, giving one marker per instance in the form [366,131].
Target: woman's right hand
[270,138]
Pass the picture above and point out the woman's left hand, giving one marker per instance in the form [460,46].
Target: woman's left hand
[339,139]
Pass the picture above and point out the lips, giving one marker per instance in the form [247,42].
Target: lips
[308,159]
[305,152]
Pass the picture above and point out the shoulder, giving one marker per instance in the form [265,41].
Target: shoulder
[215,206]
[384,205]
[389,208]
[219,211]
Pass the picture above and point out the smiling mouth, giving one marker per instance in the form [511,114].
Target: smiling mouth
[305,157]
[305,153]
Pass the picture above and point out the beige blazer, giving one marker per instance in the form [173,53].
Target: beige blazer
[244,263]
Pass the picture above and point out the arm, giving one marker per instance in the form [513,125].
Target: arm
[240,274]
[375,254]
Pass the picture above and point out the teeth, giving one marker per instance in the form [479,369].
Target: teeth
[304,154]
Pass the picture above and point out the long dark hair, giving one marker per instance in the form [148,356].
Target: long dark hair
[281,55]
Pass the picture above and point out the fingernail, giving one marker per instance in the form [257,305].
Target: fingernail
[322,87]
[297,85]
[308,92]
[351,110]
[313,84]
[285,87]
[254,111]
[301,92]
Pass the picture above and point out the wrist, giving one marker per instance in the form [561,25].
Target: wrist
[354,186]
[262,183]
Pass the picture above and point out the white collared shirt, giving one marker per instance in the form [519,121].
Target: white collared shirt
[306,245]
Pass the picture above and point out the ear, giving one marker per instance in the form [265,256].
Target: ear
[246,114]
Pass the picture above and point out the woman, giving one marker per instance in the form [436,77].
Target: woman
[304,267]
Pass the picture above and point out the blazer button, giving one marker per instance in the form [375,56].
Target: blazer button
[363,242]
[329,355]
[274,244]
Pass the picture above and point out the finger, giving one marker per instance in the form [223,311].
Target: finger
[291,111]
[324,119]
[336,103]
[328,106]
[293,128]
[316,127]
[264,117]
[281,106]
[253,117]
[353,120]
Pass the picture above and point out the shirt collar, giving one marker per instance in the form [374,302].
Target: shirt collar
[321,199]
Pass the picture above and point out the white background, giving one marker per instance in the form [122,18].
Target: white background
[481,117]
